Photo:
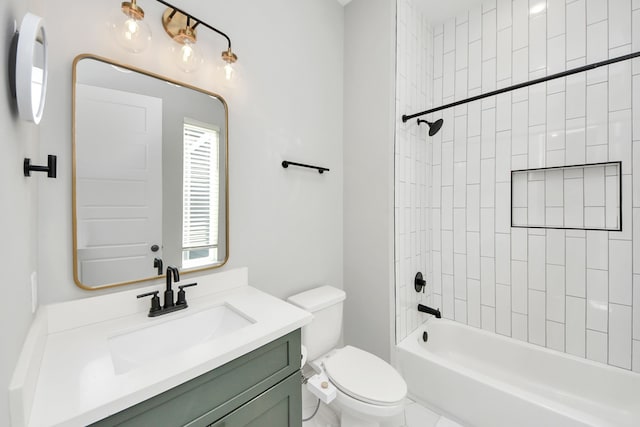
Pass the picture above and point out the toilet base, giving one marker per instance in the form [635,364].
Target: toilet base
[337,415]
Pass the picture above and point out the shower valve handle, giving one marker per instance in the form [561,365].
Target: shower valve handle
[419,283]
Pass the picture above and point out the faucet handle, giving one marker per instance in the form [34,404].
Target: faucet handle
[182,300]
[155,301]
[157,263]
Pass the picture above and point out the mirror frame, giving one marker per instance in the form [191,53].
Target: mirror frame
[76,279]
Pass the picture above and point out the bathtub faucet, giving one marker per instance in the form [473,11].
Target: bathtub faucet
[429,310]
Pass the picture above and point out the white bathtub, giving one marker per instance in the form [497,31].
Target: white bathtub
[487,380]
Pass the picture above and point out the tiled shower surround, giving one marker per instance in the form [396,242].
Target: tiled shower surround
[570,290]
[414,85]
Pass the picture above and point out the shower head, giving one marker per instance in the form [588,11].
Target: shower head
[434,127]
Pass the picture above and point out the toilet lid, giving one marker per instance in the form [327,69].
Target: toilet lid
[365,377]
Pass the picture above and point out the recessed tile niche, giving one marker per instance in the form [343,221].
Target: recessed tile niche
[584,197]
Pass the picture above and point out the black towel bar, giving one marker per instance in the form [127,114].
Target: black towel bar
[286,163]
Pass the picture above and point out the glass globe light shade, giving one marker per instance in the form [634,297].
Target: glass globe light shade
[131,32]
[229,59]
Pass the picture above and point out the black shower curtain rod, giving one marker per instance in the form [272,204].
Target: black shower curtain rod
[525,84]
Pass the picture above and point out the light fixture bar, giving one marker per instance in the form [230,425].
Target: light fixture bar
[188,15]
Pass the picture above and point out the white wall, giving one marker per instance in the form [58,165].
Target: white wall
[285,224]
[368,180]
[18,226]
[573,291]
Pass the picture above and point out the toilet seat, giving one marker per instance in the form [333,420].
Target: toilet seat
[365,377]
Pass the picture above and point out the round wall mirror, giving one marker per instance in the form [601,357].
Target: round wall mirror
[31,68]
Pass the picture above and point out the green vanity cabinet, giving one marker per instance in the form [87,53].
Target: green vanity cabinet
[278,406]
[261,388]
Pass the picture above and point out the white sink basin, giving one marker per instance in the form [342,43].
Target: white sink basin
[133,349]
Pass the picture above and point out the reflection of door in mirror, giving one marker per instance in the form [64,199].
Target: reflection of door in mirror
[150,169]
[119,184]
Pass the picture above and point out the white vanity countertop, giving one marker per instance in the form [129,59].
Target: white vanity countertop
[77,384]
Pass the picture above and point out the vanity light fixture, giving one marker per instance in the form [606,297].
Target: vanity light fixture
[182,29]
[189,23]
[129,28]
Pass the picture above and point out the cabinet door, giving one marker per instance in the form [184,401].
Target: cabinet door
[280,406]
[213,395]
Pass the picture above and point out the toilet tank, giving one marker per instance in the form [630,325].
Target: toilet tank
[323,333]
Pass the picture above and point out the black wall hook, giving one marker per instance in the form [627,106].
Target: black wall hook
[50,169]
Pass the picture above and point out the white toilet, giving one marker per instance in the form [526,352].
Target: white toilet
[370,393]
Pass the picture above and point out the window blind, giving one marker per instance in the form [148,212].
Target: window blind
[200,193]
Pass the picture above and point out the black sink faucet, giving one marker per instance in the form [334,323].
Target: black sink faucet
[429,310]
[169,305]
[172,272]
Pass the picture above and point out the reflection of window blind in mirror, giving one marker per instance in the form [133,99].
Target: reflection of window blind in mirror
[585,197]
[200,194]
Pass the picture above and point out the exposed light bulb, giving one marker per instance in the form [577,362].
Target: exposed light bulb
[187,52]
[188,57]
[129,28]
[228,71]
[229,58]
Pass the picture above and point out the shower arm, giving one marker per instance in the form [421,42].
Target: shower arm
[583,68]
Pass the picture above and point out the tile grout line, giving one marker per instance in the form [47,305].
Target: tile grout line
[584,190]
[608,357]
[495,169]
[467,173]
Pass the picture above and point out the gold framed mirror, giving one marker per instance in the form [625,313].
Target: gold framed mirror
[150,175]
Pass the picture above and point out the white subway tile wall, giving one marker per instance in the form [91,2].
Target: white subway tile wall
[415,211]
[570,290]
